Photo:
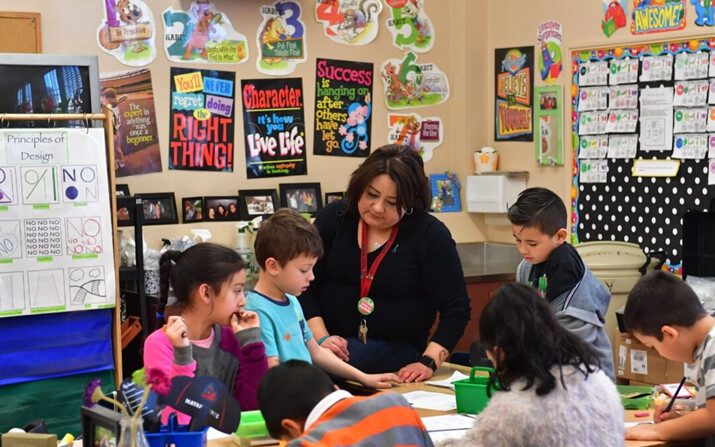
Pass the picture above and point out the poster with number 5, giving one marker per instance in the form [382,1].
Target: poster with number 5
[410,27]
[56,250]
[281,39]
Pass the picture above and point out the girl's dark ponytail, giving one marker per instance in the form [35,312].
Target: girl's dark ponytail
[165,266]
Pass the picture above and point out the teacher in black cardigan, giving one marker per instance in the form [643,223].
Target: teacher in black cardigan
[389,268]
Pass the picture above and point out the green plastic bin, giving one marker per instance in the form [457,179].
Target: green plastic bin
[471,393]
[635,403]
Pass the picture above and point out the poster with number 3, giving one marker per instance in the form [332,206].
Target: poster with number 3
[281,39]
[56,251]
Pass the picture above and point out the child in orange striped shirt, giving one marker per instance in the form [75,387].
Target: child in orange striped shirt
[302,407]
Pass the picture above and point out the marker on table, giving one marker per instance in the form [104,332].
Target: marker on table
[675,396]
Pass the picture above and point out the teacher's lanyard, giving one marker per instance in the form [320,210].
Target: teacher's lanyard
[365,304]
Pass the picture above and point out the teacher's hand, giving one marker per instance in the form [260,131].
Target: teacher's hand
[338,345]
[415,372]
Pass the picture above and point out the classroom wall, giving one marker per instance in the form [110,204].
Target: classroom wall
[460,50]
[581,22]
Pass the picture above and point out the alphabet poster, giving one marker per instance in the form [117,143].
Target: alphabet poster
[202,124]
[56,252]
[274,127]
[514,82]
[343,118]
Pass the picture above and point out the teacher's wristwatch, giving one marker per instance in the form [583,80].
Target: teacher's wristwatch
[428,362]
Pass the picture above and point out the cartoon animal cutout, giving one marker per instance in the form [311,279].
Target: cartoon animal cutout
[200,31]
[355,20]
[273,32]
[411,10]
[129,14]
[614,19]
[705,11]
[355,132]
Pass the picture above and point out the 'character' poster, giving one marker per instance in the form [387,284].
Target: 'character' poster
[202,123]
[274,127]
[514,82]
[343,108]
[136,140]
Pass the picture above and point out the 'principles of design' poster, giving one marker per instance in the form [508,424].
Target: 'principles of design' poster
[56,251]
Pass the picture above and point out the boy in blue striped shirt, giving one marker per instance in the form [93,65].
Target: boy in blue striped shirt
[663,312]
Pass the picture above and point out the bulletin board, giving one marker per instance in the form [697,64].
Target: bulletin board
[651,101]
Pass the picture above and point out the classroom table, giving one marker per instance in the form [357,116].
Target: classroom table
[444,372]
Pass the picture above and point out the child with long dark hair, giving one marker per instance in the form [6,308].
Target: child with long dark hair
[209,333]
[547,389]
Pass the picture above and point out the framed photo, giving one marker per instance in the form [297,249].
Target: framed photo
[221,208]
[192,209]
[125,211]
[334,196]
[122,190]
[257,202]
[548,121]
[445,194]
[302,197]
[159,208]
[100,426]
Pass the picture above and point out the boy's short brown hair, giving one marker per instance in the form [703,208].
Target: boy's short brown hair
[285,236]
[539,208]
[661,299]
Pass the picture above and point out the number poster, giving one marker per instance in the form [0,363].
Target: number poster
[56,252]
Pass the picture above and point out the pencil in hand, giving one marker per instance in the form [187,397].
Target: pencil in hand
[675,395]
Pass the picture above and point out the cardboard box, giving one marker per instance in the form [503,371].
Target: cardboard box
[29,440]
[637,362]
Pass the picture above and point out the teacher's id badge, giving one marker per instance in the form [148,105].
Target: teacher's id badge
[366,305]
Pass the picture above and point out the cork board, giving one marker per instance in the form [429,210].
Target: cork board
[20,32]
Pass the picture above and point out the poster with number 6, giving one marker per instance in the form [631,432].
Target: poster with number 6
[281,39]
[56,249]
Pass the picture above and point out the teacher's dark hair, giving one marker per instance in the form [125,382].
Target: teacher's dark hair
[520,328]
[404,165]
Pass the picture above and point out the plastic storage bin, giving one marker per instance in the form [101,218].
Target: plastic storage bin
[181,437]
[631,396]
[471,393]
[252,425]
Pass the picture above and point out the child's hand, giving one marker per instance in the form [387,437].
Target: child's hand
[380,380]
[244,320]
[175,329]
[659,415]
[643,432]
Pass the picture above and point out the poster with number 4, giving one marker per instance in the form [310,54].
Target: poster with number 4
[56,251]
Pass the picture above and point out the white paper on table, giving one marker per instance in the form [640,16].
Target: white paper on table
[447,383]
[439,436]
[448,422]
[429,400]
[215,434]
[633,424]
[656,118]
